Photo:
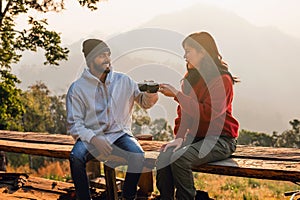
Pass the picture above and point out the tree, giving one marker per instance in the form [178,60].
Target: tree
[161,130]
[140,119]
[141,123]
[254,138]
[13,42]
[11,108]
[37,116]
[58,114]
[290,138]
[43,112]
[295,125]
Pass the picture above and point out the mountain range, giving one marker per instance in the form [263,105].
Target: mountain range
[264,58]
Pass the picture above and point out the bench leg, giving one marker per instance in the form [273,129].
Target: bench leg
[146,183]
[111,185]
[93,169]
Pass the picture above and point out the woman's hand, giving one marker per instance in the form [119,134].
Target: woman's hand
[177,143]
[168,90]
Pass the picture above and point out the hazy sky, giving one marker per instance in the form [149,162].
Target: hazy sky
[115,16]
[121,15]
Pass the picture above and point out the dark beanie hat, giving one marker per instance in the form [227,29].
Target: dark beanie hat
[93,47]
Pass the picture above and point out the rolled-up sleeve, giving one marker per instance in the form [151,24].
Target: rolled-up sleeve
[147,100]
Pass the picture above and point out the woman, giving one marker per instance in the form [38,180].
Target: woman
[205,129]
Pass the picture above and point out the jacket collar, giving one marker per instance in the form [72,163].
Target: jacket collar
[89,76]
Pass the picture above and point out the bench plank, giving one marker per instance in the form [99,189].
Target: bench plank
[246,167]
[254,168]
[242,151]
[36,137]
[247,161]
[44,138]
[50,150]
[267,153]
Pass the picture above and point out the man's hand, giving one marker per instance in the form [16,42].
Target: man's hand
[101,145]
[177,143]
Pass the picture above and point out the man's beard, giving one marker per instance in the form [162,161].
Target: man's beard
[100,67]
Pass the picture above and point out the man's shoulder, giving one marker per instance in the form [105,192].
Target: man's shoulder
[77,85]
[121,75]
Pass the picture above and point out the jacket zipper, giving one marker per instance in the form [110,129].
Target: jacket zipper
[107,105]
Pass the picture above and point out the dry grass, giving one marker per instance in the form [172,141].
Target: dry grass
[226,187]
[219,187]
[51,170]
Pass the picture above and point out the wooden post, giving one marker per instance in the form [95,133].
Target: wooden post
[2,161]
[110,181]
[93,169]
[146,183]
[146,180]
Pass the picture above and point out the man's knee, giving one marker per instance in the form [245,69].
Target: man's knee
[136,162]
[75,160]
[136,158]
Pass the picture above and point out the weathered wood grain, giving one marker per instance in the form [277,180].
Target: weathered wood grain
[247,161]
[36,137]
[242,151]
[50,150]
[254,168]
[267,153]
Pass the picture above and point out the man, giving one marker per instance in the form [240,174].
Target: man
[99,107]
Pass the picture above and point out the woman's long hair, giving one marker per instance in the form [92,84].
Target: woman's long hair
[211,65]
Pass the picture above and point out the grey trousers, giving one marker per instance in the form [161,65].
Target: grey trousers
[174,168]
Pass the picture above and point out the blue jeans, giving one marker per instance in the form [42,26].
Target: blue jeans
[126,146]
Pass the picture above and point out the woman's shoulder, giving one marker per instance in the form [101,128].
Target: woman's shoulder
[224,78]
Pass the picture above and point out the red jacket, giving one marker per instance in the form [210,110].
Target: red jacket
[207,110]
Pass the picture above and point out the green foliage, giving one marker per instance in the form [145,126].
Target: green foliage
[141,123]
[140,119]
[253,183]
[289,138]
[249,196]
[91,4]
[58,114]
[235,185]
[37,117]
[11,108]
[14,41]
[295,125]
[161,130]
[16,160]
[44,113]
[254,138]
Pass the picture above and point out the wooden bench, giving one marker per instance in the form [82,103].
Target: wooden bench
[60,146]
[254,162]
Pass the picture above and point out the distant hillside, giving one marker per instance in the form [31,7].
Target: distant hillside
[264,58]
